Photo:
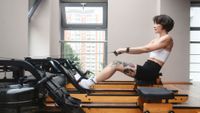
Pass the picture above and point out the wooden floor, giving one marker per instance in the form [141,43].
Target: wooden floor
[193,90]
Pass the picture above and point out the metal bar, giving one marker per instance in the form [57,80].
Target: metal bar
[82,41]
[195,54]
[88,1]
[194,62]
[194,71]
[33,9]
[195,42]
[85,53]
[194,28]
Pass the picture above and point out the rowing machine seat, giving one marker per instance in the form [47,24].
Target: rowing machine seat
[153,93]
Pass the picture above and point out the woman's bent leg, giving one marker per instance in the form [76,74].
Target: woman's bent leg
[109,70]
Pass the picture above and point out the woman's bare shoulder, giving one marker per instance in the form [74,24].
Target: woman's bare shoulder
[166,38]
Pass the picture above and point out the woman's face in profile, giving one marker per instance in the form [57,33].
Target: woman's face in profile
[157,28]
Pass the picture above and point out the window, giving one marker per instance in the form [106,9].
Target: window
[195,41]
[84,37]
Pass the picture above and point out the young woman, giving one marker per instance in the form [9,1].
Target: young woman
[159,49]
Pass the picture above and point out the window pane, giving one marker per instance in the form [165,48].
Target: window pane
[195,76]
[88,46]
[81,35]
[195,67]
[195,59]
[84,15]
[195,17]
[195,35]
[194,48]
[91,55]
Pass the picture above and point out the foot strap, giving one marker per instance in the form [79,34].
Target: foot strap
[82,77]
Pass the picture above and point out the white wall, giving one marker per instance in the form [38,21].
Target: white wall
[13,28]
[177,67]
[45,30]
[55,29]
[39,30]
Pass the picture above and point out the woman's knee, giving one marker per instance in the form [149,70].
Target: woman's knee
[118,65]
[130,70]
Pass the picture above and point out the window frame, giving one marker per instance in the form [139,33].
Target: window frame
[194,4]
[84,26]
[89,27]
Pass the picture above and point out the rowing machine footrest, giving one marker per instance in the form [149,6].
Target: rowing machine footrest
[75,101]
[152,93]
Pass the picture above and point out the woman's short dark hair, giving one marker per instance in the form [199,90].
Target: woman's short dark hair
[166,21]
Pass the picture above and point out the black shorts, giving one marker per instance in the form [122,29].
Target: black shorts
[148,72]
